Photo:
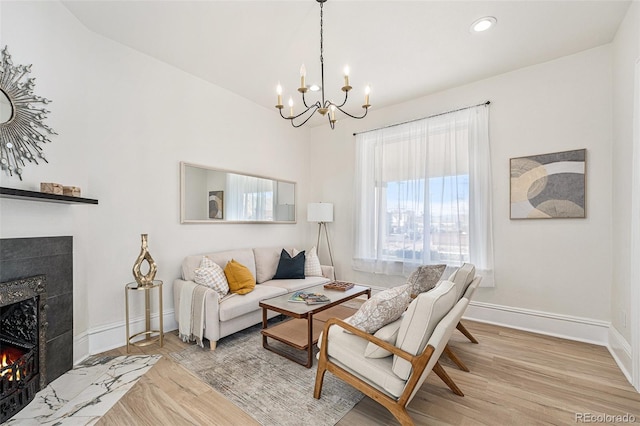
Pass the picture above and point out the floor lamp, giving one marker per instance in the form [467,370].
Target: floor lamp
[322,213]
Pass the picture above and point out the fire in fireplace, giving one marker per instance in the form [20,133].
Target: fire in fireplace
[22,335]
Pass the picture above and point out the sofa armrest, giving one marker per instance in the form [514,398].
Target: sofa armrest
[328,272]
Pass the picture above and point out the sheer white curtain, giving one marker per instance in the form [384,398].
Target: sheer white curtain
[249,198]
[423,194]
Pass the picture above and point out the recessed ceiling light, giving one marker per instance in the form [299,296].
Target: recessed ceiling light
[483,24]
[314,87]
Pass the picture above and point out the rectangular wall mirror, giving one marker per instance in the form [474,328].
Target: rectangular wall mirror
[209,195]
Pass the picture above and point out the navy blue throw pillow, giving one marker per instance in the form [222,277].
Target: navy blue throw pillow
[290,267]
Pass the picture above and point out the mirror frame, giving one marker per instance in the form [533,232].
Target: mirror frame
[22,136]
[184,220]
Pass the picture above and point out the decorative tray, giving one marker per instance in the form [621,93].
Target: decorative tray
[338,285]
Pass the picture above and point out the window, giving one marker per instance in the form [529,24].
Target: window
[423,194]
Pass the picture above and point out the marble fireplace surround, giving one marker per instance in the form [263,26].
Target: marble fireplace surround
[52,257]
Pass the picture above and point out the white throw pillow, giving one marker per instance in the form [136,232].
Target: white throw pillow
[388,333]
[210,274]
[312,264]
[383,308]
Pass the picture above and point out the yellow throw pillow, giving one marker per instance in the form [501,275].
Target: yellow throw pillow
[240,279]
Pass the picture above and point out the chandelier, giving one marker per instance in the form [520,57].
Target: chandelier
[322,106]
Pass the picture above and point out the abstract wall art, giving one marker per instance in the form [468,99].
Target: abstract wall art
[549,186]
[216,204]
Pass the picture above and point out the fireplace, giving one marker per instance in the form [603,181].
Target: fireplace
[36,295]
[22,343]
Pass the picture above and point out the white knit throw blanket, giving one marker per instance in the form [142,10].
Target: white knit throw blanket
[191,318]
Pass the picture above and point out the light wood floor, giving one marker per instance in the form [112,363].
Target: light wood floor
[516,378]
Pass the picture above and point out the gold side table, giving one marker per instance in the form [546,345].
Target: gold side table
[151,336]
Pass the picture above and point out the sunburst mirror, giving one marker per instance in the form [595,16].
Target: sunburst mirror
[22,115]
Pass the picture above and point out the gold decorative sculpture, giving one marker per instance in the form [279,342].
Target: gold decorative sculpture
[146,279]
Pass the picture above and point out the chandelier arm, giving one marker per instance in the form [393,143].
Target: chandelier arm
[366,110]
[346,95]
[307,119]
[304,101]
[316,105]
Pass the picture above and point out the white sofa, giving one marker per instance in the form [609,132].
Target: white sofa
[236,312]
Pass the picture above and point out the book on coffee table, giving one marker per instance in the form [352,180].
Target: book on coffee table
[309,298]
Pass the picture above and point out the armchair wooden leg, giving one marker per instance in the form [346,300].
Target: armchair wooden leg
[446,379]
[464,331]
[401,414]
[322,368]
[212,345]
[453,357]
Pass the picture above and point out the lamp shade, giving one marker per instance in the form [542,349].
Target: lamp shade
[320,212]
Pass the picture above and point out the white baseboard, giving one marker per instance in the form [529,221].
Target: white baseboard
[80,348]
[101,339]
[620,350]
[563,326]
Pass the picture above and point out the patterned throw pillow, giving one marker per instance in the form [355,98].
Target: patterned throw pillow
[383,308]
[312,264]
[210,274]
[425,278]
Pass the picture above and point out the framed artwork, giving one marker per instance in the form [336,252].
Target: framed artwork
[216,204]
[549,186]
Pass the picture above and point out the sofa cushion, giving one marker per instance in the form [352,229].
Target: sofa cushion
[462,277]
[347,351]
[290,267]
[422,317]
[210,274]
[295,285]
[425,278]
[388,333]
[244,256]
[267,259]
[238,305]
[240,279]
[381,309]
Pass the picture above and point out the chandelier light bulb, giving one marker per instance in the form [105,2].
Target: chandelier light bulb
[367,90]
[290,106]
[332,113]
[279,92]
[346,75]
[303,74]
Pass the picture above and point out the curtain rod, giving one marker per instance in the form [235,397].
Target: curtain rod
[423,118]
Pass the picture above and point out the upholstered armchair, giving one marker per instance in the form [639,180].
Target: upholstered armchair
[391,371]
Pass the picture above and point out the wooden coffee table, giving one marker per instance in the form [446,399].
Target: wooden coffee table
[307,321]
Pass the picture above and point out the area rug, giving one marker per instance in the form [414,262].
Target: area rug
[270,388]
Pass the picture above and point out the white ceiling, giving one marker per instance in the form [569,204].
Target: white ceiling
[403,49]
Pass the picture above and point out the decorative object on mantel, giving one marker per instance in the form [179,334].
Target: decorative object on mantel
[72,191]
[549,186]
[22,128]
[144,279]
[323,106]
[51,188]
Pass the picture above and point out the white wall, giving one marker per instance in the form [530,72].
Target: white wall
[625,284]
[562,267]
[125,121]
